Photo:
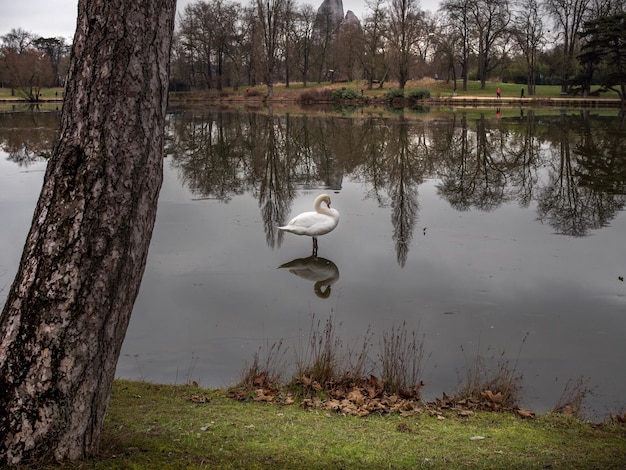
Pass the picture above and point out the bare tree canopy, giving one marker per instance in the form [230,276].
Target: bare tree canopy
[66,314]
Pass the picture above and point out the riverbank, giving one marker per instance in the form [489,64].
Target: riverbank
[165,426]
[442,99]
[523,102]
[441,94]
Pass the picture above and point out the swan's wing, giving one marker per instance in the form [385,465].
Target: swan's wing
[303,224]
[305,219]
[311,224]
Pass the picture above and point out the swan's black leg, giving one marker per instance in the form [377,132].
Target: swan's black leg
[314,246]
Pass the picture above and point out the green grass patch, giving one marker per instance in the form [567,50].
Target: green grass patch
[162,426]
[45,93]
[512,90]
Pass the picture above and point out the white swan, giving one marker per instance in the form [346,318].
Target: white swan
[314,224]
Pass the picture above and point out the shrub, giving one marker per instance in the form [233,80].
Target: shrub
[419,94]
[344,93]
[394,93]
[314,96]
[495,383]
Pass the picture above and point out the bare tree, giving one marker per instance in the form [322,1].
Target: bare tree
[271,18]
[302,35]
[374,42]
[459,23]
[66,314]
[427,41]
[225,16]
[239,52]
[568,16]
[22,67]
[197,36]
[26,72]
[325,29]
[349,47]
[447,49]
[403,34]
[490,21]
[17,40]
[529,34]
[288,46]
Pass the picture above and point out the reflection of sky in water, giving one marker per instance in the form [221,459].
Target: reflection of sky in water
[213,294]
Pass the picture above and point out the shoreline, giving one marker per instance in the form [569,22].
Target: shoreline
[474,101]
[583,102]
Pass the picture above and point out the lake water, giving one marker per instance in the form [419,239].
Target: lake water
[500,238]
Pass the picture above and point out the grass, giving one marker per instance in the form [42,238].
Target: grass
[297,92]
[512,90]
[167,426]
[320,361]
[509,90]
[401,359]
[261,425]
[494,374]
[328,376]
[439,87]
[163,426]
[46,93]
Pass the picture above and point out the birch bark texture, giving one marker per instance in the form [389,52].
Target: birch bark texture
[66,314]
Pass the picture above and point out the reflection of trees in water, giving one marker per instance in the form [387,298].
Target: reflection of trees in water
[570,165]
[493,163]
[395,158]
[405,170]
[270,157]
[523,151]
[372,168]
[481,166]
[573,166]
[208,150]
[221,155]
[587,176]
[27,136]
[602,165]
[457,185]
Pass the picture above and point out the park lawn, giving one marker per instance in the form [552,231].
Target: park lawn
[46,93]
[166,426]
[436,88]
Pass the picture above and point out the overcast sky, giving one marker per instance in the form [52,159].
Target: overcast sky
[58,18]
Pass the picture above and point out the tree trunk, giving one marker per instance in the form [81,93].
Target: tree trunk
[66,315]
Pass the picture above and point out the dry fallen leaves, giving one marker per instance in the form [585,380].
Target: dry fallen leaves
[525,413]
[200,399]
[363,397]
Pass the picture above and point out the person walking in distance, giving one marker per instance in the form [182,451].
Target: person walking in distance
[498,93]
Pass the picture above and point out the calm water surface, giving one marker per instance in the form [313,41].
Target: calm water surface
[502,239]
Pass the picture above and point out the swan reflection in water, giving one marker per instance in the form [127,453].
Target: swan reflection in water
[321,271]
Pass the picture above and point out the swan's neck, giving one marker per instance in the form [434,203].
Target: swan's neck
[319,208]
